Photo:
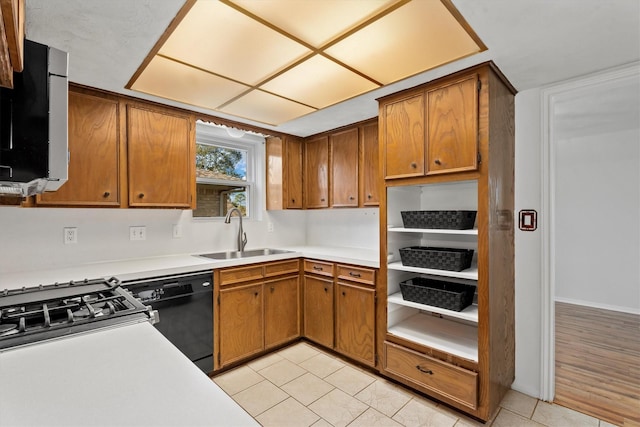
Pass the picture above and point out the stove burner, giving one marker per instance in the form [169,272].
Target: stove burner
[8,329]
[85,312]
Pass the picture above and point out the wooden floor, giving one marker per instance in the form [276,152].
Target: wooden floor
[598,363]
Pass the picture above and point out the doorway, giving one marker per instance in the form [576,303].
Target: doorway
[594,244]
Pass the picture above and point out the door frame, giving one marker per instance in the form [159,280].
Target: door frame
[550,96]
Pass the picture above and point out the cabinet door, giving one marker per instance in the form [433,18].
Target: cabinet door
[242,330]
[369,166]
[344,168]
[404,139]
[293,173]
[316,166]
[281,311]
[452,115]
[355,322]
[160,149]
[318,310]
[94,154]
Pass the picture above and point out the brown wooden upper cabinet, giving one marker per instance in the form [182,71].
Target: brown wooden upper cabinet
[160,149]
[369,164]
[95,145]
[316,173]
[344,168]
[433,130]
[284,172]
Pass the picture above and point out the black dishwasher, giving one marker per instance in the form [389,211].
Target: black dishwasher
[185,306]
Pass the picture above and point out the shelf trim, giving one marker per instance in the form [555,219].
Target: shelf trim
[470,313]
[470,232]
[469,273]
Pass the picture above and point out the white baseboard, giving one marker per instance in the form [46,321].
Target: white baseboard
[629,310]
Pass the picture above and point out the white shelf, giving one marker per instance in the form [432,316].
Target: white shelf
[470,313]
[469,273]
[472,232]
[452,337]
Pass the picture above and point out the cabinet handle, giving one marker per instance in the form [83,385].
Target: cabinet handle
[273,289]
[141,195]
[437,162]
[414,165]
[315,267]
[352,274]
[106,194]
[424,370]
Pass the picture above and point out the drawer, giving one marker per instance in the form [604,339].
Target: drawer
[284,267]
[318,267]
[357,274]
[450,381]
[240,274]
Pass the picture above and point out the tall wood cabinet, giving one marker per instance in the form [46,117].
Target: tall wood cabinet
[449,145]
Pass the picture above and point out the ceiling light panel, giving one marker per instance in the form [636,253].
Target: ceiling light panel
[266,108]
[315,22]
[216,37]
[169,79]
[319,82]
[416,37]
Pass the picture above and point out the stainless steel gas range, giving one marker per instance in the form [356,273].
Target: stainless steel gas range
[33,314]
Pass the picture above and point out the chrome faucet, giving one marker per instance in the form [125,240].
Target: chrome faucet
[242,236]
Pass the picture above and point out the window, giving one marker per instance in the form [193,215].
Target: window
[225,172]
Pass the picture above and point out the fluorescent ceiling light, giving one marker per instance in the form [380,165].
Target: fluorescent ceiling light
[272,61]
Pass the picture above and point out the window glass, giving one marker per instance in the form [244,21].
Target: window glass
[221,180]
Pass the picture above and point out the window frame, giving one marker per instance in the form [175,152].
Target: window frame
[212,135]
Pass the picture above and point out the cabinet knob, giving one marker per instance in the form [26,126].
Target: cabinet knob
[414,165]
[106,194]
[322,200]
[326,289]
[351,197]
[344,293]
[141,195]
[424,370]
[272,289]
[369,196]
[437,162]
[293,200]
[256,294]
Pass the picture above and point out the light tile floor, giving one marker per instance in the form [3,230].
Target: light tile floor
[303,386]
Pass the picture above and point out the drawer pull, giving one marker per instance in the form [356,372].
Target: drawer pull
[424,370]
[315,267]
[437,162]
[352,274]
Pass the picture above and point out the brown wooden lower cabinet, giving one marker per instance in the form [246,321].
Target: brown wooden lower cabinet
[281,311]
[318,310]
[437,378]
[355,322]
[242,331]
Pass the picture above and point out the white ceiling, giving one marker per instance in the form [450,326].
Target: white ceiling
[533,42]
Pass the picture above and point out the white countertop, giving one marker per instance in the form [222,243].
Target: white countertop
[137,268]
[124,376]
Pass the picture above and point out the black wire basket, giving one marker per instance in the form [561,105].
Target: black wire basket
[436,258]
[449,220]
[437,293]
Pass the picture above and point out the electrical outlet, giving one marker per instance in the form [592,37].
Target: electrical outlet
[177,231]
[70,235]
[138,232]
[270,227]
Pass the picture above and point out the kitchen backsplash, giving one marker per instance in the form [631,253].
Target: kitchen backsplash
[32,238]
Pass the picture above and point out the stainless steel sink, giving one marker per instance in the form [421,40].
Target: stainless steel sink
[244,254]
